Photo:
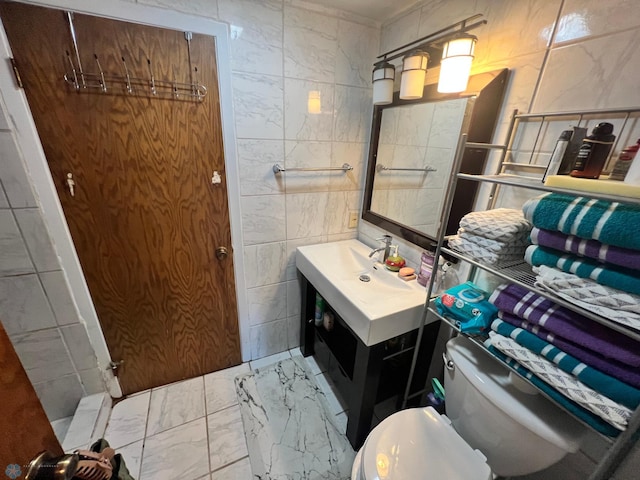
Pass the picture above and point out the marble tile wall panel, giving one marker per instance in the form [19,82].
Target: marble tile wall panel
[204,8]
[265,264]
[37,238]
[300,124]
[15,179]
[43,354]
[357,48]
[60,396]
[258,104]
[581,19]
[303,28]
[256,159]
[263,219]
[77,340]
[256,35]
[24,305]
[59,296]
[14,257]
[269,338]
[267,303]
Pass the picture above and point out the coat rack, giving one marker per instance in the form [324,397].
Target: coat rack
[86,82]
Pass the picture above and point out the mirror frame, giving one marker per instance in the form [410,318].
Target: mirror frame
[486,91]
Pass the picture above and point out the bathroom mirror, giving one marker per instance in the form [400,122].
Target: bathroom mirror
[411,154]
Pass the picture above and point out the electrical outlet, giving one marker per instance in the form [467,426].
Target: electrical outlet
[353,219]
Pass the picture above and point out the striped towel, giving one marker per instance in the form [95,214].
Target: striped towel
[586,416]
[610,303]
[616,277]
[613,413]
[611,223]
[602,383]
[623,257]
[566,323]
[624,373]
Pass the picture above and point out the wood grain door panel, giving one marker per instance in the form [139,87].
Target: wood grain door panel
[145,218]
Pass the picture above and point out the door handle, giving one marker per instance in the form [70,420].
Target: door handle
[71,184]
[222,253]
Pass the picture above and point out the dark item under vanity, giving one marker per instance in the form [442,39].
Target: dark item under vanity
[364,375]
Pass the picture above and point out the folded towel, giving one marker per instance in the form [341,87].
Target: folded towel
[473,249]
[623,257]
[566,323]
[624,373]
[586,416]
[602,383]
[607,222]
[610,303]
[497,246]
[613,413]
[504,224]
[616,277]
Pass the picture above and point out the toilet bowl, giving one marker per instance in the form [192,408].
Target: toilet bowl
[494,425]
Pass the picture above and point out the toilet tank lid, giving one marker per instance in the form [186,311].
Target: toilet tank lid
[534,412]
[419,441]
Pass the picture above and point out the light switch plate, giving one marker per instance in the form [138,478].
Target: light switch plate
[353,219]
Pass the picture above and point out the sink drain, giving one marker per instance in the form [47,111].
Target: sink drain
[364,278]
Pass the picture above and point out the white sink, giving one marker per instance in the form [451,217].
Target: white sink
[376,310]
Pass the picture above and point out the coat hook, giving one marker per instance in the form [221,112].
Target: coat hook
[153,80]
[76,85]
[127,76]
[102,82]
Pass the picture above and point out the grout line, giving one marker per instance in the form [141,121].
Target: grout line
[229,464]
[547,54]
[206,425]
[144,438]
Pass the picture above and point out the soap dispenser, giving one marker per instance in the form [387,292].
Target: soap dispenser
[394,262]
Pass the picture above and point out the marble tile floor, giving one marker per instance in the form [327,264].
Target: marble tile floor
[192,430]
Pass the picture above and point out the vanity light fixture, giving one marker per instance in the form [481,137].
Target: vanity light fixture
[383,77]
[451,48]
[455,67]
[414,71]
[314,102]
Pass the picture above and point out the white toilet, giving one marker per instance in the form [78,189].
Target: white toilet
[497,425]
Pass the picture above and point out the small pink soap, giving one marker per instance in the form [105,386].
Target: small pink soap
[406,271]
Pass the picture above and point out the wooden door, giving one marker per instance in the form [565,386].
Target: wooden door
[145,217]
[26,431]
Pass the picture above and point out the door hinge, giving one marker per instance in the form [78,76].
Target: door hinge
[16,72]
[114,366]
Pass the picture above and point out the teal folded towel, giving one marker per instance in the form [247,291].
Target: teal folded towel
[602,383]
[619,278]
[586,416]
[611,223]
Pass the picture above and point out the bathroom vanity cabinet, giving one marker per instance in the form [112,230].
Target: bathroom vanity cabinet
[364,375]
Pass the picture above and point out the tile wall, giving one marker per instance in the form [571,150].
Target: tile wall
[36,308]
[563,55]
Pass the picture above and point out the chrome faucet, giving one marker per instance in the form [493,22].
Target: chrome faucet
[387,247]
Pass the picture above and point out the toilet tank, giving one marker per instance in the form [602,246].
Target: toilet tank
[518,432]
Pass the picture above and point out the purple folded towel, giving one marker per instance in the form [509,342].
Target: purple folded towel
[628,375]
[624,257]
[566,324]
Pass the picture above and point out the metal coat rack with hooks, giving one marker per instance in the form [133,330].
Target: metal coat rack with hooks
[100,82]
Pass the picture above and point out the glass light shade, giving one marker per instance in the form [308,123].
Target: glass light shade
[414,71]
[383,78]
[314,103]
[455,67]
